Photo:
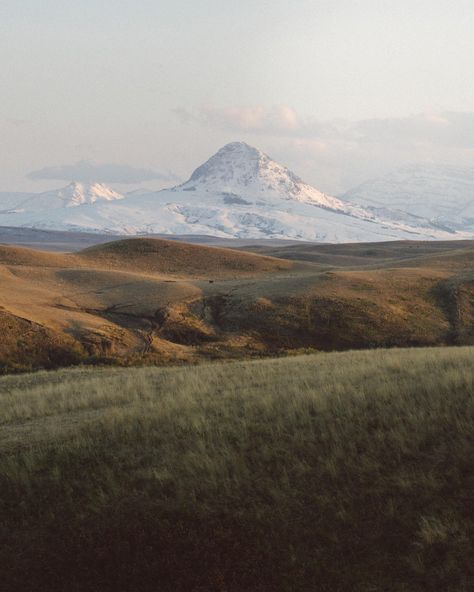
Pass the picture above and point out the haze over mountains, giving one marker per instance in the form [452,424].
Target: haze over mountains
[440,194]
[75,194]
[241,193]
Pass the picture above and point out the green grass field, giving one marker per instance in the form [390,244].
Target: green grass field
[328,473]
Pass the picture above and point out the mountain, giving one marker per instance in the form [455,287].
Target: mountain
[9,201]
[75,194]
[240,192]
[439,196]
[241,169]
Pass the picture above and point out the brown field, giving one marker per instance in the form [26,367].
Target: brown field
[149,300]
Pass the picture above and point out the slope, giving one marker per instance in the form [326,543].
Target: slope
[144,301]
[173,257]
[236,476]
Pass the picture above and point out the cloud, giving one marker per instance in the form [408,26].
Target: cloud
[446,128]
[281,120]
[90,172]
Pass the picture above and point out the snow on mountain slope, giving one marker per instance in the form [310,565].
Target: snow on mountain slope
[239,192]
[243,170]
[75,194]
[9,201]
[168,212]
[438,195]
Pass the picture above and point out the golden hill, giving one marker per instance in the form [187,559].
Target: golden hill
[10,255]
[150,300]
[151,256]
[173,257]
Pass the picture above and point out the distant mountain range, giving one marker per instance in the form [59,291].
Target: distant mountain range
[241,193]
[75,194]
[438,195]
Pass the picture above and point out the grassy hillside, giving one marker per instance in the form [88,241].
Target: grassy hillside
[367,254]
[347,472]
[173,257]
[150,256]
[146,301]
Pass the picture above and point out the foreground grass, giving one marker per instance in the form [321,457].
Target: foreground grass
[334,472]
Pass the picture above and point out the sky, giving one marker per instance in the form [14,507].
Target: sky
[139,93]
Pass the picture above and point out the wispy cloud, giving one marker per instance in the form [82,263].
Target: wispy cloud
[89,172]
[443,128]
[281,120]
[449,128]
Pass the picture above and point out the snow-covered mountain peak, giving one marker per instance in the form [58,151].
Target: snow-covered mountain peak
[73,195]
[241,170]
[236,163]
[76,194]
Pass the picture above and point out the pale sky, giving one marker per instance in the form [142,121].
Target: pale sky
[339,90]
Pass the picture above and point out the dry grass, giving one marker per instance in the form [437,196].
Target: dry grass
[176,258]
[335,472]
[11,255]
[157,301]
[386,254]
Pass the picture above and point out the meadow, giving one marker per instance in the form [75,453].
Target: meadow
[331,472]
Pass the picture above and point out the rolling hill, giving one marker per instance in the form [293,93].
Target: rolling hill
[155,301]
[173,257]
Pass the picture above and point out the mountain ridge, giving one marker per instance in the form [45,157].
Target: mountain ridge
[441,196]
[239,192]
